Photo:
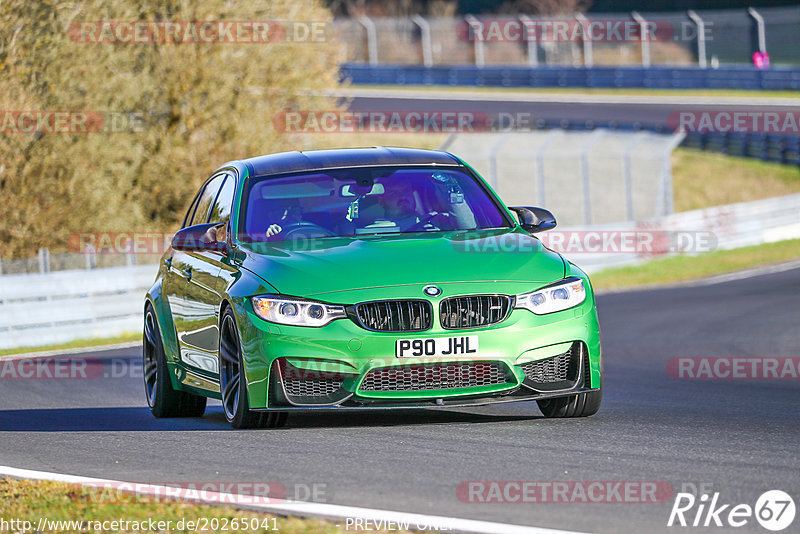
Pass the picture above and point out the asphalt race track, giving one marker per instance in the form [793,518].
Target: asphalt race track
[577,109]
[738,437]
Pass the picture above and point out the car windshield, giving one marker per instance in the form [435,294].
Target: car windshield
[366,201]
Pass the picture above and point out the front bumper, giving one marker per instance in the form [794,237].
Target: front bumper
[345,352]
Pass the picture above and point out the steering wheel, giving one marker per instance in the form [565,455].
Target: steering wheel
[427,220]
[306,228]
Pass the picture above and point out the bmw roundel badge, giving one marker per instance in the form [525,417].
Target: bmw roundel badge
[432,291]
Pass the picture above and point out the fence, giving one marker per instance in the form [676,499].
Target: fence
[45,262]
[585,177]
[55,307]
[730,226]
[600,77]
[778,148]
[704,38]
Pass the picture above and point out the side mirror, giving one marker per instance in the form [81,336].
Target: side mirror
[200,237]
[534,219]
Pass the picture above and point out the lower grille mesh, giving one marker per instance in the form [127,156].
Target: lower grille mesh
[587,371]
[436,376]
[311,387]
[547,371]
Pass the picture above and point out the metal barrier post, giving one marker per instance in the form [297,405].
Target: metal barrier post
[493,158]
[762,36]
[588,57]
[372,38]
[476,30]
[626,163]
[666,173]
[701,37]
[44,260]
[644,36]
[594,137]
[91,256]
[548,140]
[425,39]
[533,44]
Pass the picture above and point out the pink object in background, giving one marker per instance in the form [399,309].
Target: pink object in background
[761,60]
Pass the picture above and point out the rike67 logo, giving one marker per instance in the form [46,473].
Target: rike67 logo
[774,510]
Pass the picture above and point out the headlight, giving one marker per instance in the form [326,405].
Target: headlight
[560,296]
[296,312]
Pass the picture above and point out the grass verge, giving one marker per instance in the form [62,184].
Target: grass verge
[659,271]
[76,344]
[704,179]
[686,268]
[30,500]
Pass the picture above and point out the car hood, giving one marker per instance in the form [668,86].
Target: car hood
[333,265]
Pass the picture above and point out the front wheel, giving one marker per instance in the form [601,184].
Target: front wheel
[163,399]
[233,384]
[578,405]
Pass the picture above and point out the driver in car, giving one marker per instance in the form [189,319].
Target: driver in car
[399,204]
[291,215]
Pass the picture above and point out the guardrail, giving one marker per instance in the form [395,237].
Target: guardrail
[730,226]
[778,148]
[556,76]
[703,38]
[38,309]
[56,307]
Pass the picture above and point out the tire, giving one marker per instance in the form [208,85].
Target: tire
[162,398]
[580,405]
[233,390]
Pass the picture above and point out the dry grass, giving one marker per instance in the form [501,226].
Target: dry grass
[685,268]
[704,179]
[31,500]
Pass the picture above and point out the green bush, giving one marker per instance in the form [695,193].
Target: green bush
[200,105]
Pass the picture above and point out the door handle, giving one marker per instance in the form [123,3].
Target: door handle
[187,273]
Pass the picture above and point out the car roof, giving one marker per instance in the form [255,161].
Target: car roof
[314,160]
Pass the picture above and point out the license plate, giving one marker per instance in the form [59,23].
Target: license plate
[437,346]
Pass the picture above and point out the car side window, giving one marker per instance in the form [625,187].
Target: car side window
[206,199]
[187,219]
[221,211]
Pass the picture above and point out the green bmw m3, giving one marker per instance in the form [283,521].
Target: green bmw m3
[363,279]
